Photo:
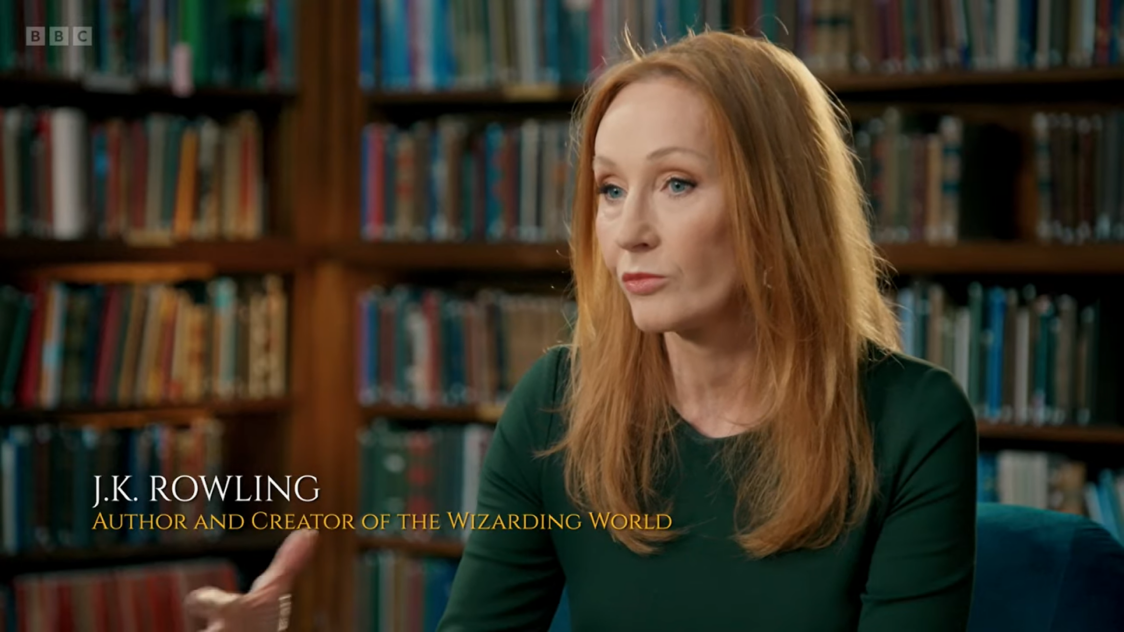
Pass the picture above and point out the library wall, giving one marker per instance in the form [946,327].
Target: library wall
[283,238]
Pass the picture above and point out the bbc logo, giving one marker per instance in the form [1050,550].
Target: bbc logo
[60,36]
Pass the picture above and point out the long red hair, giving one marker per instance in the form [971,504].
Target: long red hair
[811,288]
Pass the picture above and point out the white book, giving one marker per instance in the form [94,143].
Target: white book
[74,62]
[963,346]
[1007,24]
[70,211]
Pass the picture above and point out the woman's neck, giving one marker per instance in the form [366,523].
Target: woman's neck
[710,376]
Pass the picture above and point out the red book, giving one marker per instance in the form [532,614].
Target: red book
[30,368]
[107,343]
[65,617]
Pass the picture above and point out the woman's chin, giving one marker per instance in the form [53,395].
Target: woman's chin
[652,322]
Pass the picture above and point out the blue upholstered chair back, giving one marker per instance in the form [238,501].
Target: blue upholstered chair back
[1043,571]
[1036,571]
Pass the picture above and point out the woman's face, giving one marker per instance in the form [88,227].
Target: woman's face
[661,213]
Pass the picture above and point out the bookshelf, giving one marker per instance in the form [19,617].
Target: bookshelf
[128,117]
[314,205]
[1010,81]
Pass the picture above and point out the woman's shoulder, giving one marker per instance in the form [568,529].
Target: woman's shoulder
[913,404]
[530,414]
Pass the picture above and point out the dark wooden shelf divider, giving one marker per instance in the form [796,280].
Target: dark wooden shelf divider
[131,414]
[93,91]
[1006,257]
[36,561]
[465,414]
[455,256]
[436,548]
[1105,435]
[250,256]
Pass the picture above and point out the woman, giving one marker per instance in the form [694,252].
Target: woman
[733,371]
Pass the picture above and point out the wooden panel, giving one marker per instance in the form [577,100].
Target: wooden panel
[455,256]
[41,561]
[1043,80]
[1105,435]
[129,95]
[130,415]
[267,255]
[466,414]
[443,548]
[1001,258]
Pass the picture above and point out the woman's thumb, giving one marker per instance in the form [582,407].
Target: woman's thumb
[290,559]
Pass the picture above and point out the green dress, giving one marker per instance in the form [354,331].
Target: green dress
[908,567]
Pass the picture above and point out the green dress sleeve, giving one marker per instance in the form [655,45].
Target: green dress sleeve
[923,562]
[511,579]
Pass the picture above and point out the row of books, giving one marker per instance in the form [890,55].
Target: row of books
[431,45]
[162,177]
[456,180]
[66,345]
[395,592]
[1045,480]
[1078,163]
[420,471]
[1021,356]
[245,43]
[912,36]
[937,179]
[59,486]
[142,598]
[430,347]
[928,178]
[940,179]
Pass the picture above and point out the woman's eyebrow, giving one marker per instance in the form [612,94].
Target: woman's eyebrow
[657,154]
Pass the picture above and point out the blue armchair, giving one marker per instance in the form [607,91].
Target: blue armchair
[1036,571]
[1043,571]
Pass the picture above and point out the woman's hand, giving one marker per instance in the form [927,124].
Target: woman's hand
[266,607]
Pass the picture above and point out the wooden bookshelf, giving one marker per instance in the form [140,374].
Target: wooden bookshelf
[260,436]
[1054,435]
[128,415]
[509,95]
[131,93]
[1006,257]
[465,414]
[433,548]
[1042,81]
[343,265]
[257,256]
[455,256]
[39,561]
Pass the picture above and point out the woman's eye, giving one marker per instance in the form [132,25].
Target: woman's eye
[611,191]
[679,185]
